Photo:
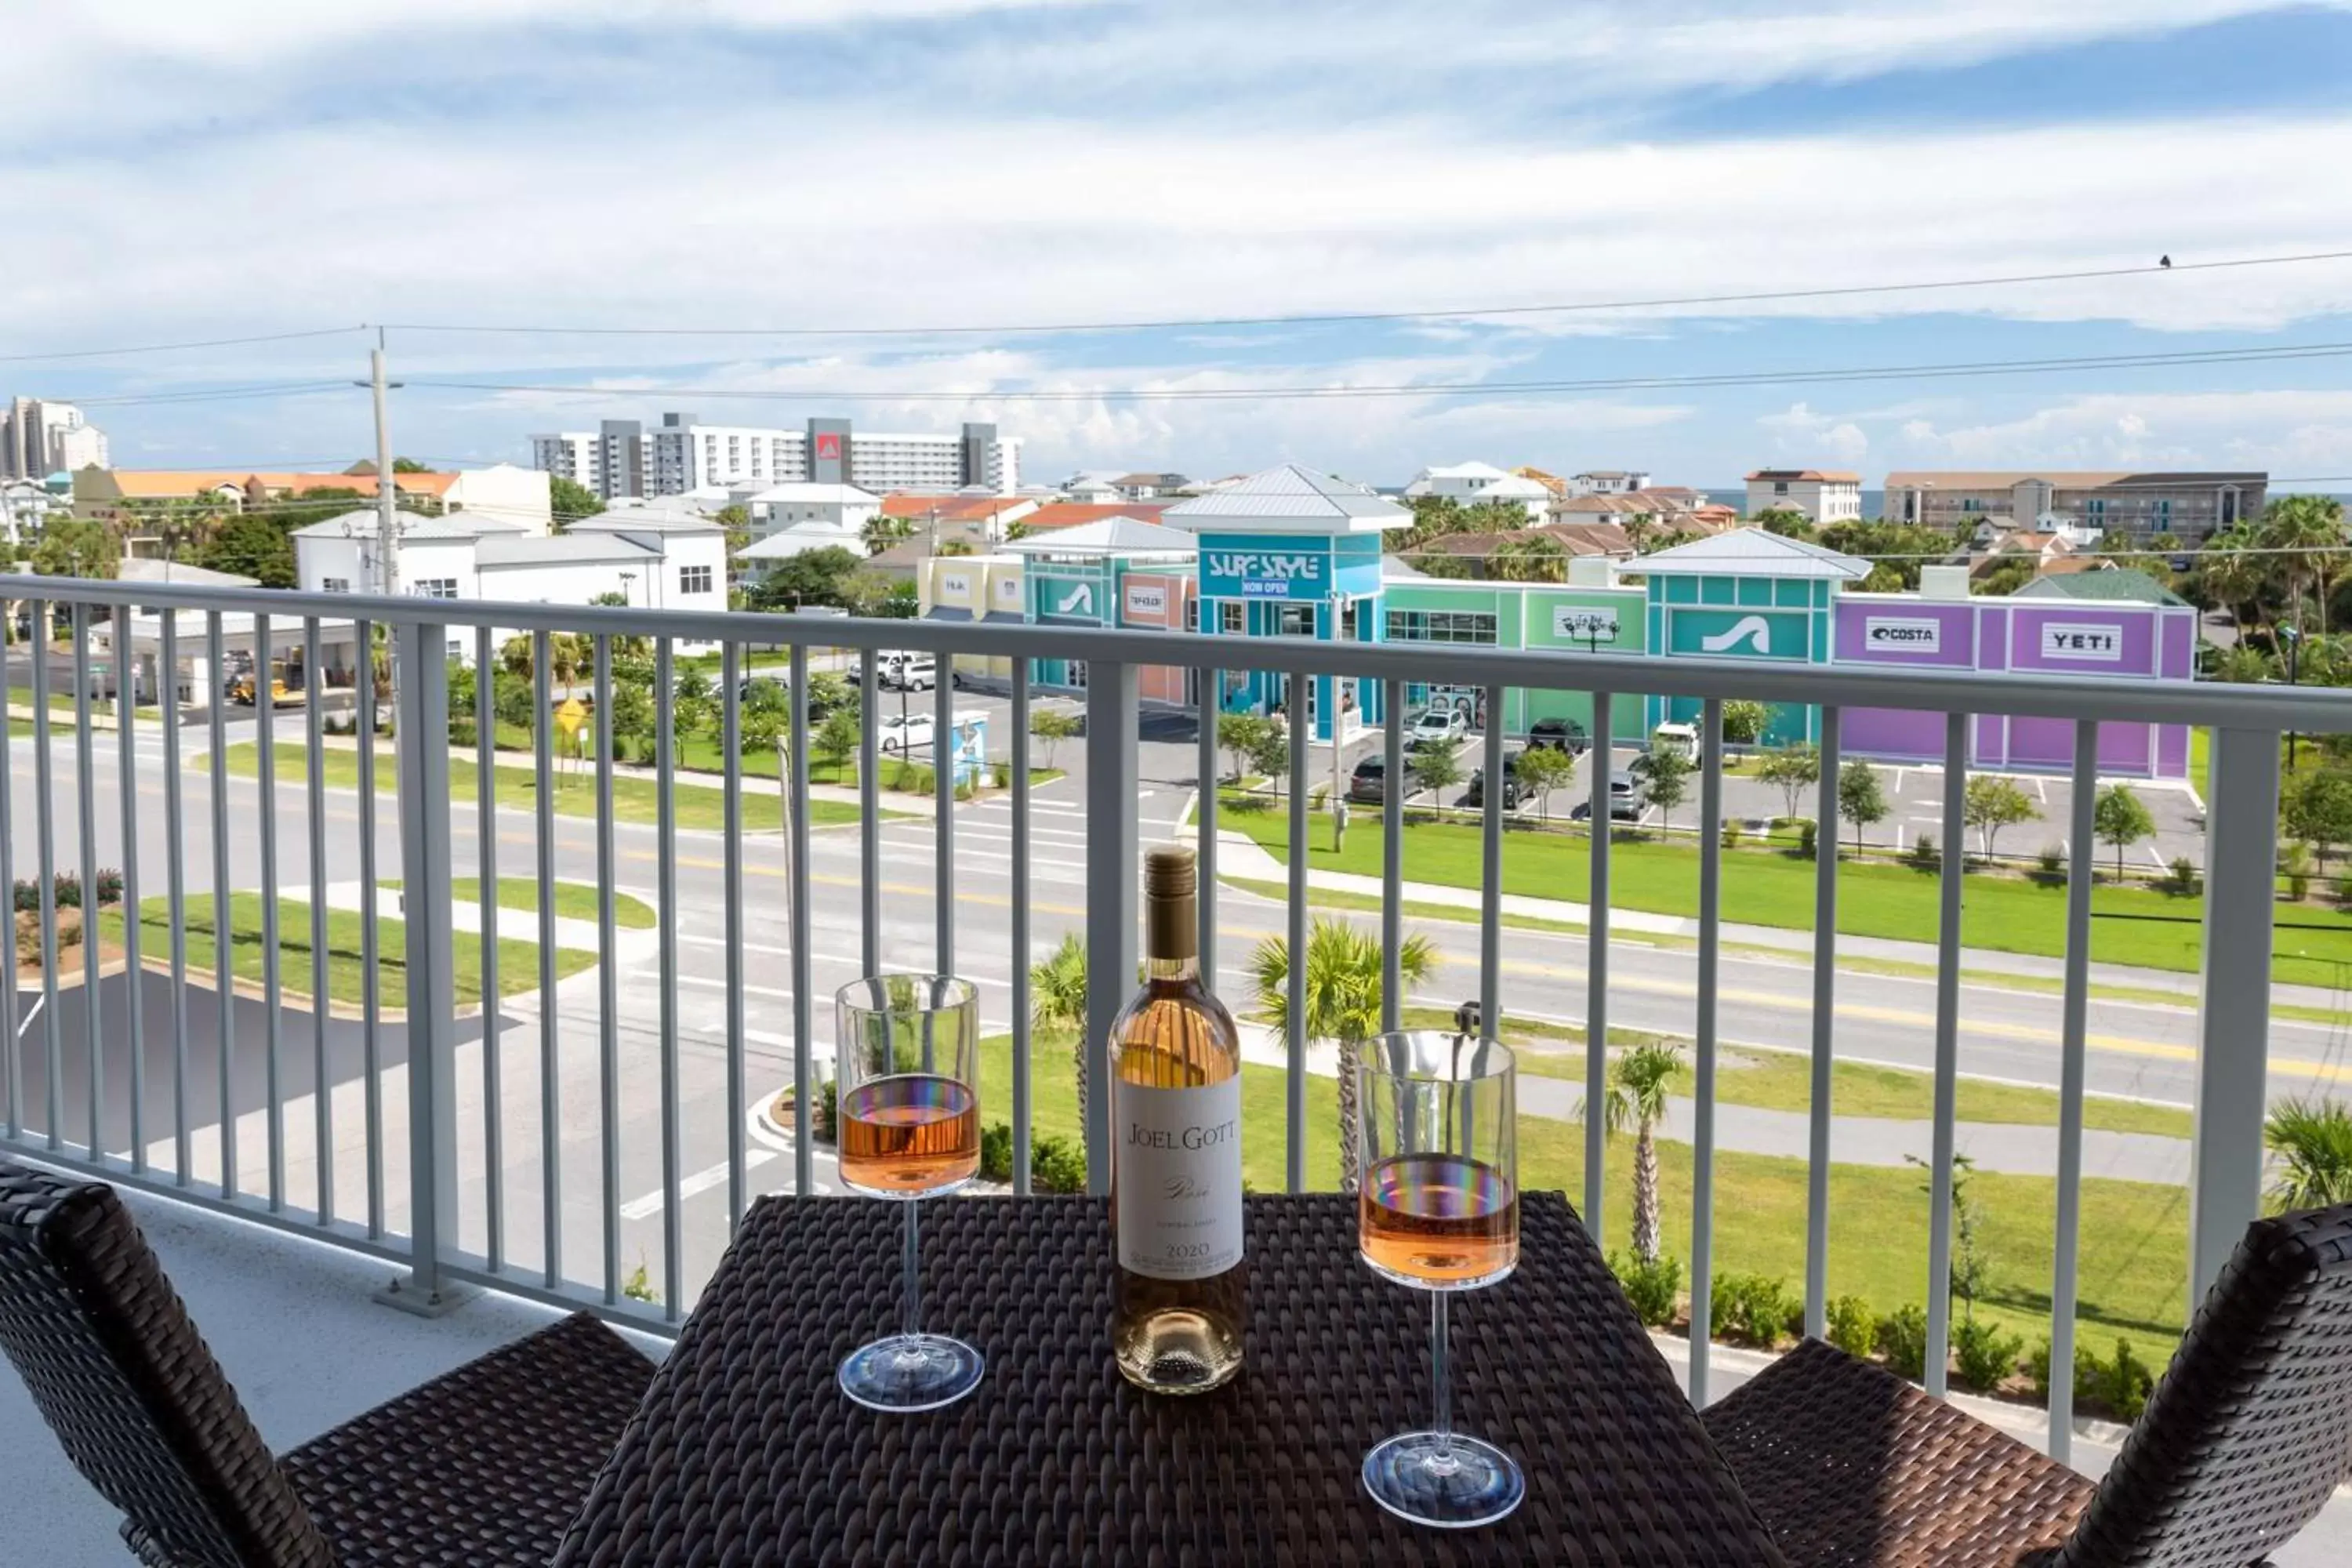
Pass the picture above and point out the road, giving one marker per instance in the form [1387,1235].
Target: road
[2136,1049]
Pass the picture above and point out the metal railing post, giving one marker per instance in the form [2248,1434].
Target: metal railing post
[1112,916]
[2225,1184]
[421,732]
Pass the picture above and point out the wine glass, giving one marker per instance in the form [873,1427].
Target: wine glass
[906,1064]
[1439,1211]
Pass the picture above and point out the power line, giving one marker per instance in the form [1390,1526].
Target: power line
[1339,317]
[2183,357]
[174,348]
[212,394]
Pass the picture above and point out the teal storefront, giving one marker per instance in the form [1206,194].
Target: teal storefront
[1748,595]
[1576,622]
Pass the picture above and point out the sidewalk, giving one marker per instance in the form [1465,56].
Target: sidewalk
[1238,855]
[2011,1148]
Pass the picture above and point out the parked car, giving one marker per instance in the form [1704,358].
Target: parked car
[1514,796]
[1369,784]
[899,736]
[1622,808]
[1561,735]
[1439,727]
[908,672]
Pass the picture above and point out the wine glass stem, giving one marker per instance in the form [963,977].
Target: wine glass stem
[910,1293]
[1444,1423]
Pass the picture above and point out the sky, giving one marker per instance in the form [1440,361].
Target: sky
[764,210]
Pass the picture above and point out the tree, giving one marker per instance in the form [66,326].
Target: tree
[1435,769]
[2231,576]
[251,547]
[835,739]
[569,501]
[810,577]
[2313,1140]
[1053,726]
[2319,810]
[2003,578]
[1784,521]
[1638,1082]
[1239,734]
[1861,800]
[2122,819]
[737,521]
[1342,987]
[409,465]
[1792,770]
[883,531]
[1664,773]
[1057,1000]
[2244,664]
[1538,558]
[2307,533]
[1993,804]
[76,547]
[1744,721]
[693,702]
[1543,769]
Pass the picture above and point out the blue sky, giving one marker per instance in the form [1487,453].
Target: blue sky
[181,173]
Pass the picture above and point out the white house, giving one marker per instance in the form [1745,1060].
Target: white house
[842,510]
[1824,495]
[1469,482]
[1608,482]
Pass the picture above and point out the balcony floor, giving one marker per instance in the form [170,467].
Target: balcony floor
[294,1327]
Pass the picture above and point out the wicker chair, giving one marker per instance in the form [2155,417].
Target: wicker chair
[2244,1438]
[485,1466]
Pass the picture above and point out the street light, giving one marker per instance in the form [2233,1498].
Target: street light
[2294,638]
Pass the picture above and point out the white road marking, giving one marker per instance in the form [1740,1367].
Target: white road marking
[702,1180]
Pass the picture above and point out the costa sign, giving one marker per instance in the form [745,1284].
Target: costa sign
[1890,634]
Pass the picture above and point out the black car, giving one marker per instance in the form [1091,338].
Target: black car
[1513,794]
[1561,735]
[1369,784]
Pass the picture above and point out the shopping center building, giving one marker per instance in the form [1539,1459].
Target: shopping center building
[1291,552]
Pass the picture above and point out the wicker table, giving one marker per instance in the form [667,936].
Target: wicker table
[745,1454]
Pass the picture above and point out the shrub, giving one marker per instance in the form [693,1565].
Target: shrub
[27,897]
[2183,879]
[1057,1166]
[2052,860]
[2297,863]
[1852,1326]
[825,1124]
[1923,855]
[67,891]
[1809,838]
[108,883]
[1732,833]
[2344,889]
[1654,1289]
[1986,1356]
[1903,1337]
[69,936]
[1002,773]
[2124,1384]
[462,732]
[996,1153]
[2086,1372]
[1751,1309]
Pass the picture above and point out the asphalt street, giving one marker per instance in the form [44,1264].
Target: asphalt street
[2139,1049]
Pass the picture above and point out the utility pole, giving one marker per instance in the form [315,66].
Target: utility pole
[387,527]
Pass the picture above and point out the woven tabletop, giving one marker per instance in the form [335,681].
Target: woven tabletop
[746,1454]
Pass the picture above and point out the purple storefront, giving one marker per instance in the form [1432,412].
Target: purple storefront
[2123,642]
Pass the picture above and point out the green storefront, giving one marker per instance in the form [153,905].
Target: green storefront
[1573,621]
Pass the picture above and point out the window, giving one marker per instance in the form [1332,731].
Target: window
[1233,618]
[694,579]
[1191,615]
[1779,487]
[435,588]
[1440,625]
[335,585]
[1295,621]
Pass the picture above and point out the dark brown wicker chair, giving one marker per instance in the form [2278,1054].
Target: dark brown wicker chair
[2241,1443]
[483,1467]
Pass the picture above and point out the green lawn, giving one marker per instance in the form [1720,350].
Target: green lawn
[574,900]
[2134,1257]
[518,959]
[1780,1081]
[1769,887]
[633,799]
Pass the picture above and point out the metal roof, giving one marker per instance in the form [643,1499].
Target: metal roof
[565,549]
[1749,552]
[1291,499]
[1109,536]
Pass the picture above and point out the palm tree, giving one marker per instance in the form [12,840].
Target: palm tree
[1343,1003]
[2313,1140]
[2232,574]
[1637,1094]
[1057,1000]
[2311,527]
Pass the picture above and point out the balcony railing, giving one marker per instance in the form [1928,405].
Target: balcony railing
[388,1120]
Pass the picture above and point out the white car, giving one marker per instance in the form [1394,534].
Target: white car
[900,736]
[1439,727]
[908,672]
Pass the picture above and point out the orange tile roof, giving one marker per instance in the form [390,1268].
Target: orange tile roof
[1070,513]
[948,508]
[164,483]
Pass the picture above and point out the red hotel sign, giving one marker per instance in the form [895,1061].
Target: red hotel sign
[828,444]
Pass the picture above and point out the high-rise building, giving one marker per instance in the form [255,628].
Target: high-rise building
[38,438]
[2191,505]
[682,454]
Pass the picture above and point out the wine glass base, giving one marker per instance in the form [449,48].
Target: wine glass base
[908,1372]
[1452,1482]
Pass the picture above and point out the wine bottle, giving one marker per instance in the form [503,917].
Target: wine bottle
[1175,1084]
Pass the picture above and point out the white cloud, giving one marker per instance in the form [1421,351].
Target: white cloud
[2292,434]
[1809,437]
